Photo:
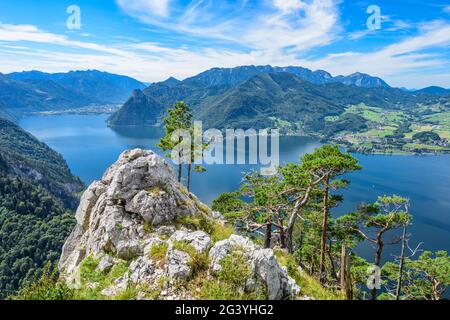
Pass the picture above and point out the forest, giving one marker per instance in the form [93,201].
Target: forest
[33,228]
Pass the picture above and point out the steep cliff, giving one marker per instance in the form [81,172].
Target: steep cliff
[141,235]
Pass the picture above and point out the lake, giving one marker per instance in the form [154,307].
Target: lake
[90,147]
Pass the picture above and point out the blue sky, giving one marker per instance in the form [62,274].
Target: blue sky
[152,40]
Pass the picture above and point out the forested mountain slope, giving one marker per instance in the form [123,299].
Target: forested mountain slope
[93,85]
[24,156]
[33,91]
[37,194]
[229,99]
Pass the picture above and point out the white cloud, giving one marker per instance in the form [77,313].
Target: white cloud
[279,36]
[287,6]
[155,7]
[276,25]
[397,62]
[17,33]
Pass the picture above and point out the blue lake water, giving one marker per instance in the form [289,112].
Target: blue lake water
[89,147]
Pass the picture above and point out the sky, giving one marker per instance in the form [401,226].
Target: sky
[404,42]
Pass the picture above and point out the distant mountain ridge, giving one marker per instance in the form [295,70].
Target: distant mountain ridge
[234,76]
[95,85]
[32,91]
[255,97]
[434,90]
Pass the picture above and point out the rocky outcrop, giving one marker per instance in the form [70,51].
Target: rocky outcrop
[138,229]
[264,267]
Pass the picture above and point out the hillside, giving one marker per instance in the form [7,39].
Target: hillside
[438,91]
[222,99]
[96,86]
[6,113]
[22,155]
[37,194]
[139,110]
[37,91]
[301,102]
[233,76]
[33,228]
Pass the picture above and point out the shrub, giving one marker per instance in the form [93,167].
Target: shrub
[217,231]
[197,261]
[48,287]
[158,252]
[228,284]
[309,286]
[89,272]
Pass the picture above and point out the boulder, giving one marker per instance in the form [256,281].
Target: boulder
[178,265]
[225,248]
[199,240]
[105,264]
[141,270]
[266,272]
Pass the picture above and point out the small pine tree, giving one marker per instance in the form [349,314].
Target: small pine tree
[178,118]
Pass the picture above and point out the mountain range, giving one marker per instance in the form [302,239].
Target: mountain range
[260,97]
[31,91]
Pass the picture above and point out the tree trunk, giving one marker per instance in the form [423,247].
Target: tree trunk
[346,284]
[268,236]
[189,176]
[293,218]
[180,166]
[323,242]
[330,257]
[282,238]
[378,254]
[281,229]
[401,265]
[312,263]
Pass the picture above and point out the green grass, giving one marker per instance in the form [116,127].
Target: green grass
[89,272]
[47,287]
[378,115]
[158,252]
[148,228]
[129,293]
[90,275]
[228,283]
[442,118]
[309,286]
[217,231]
[420,146]
[198,262]
[378,133]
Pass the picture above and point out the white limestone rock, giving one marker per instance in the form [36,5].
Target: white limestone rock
[199,240]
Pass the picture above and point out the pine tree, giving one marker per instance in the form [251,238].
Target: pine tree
[373,221]
[178,118]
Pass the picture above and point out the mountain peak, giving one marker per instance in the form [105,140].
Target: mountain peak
[363,80]
[171,82]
